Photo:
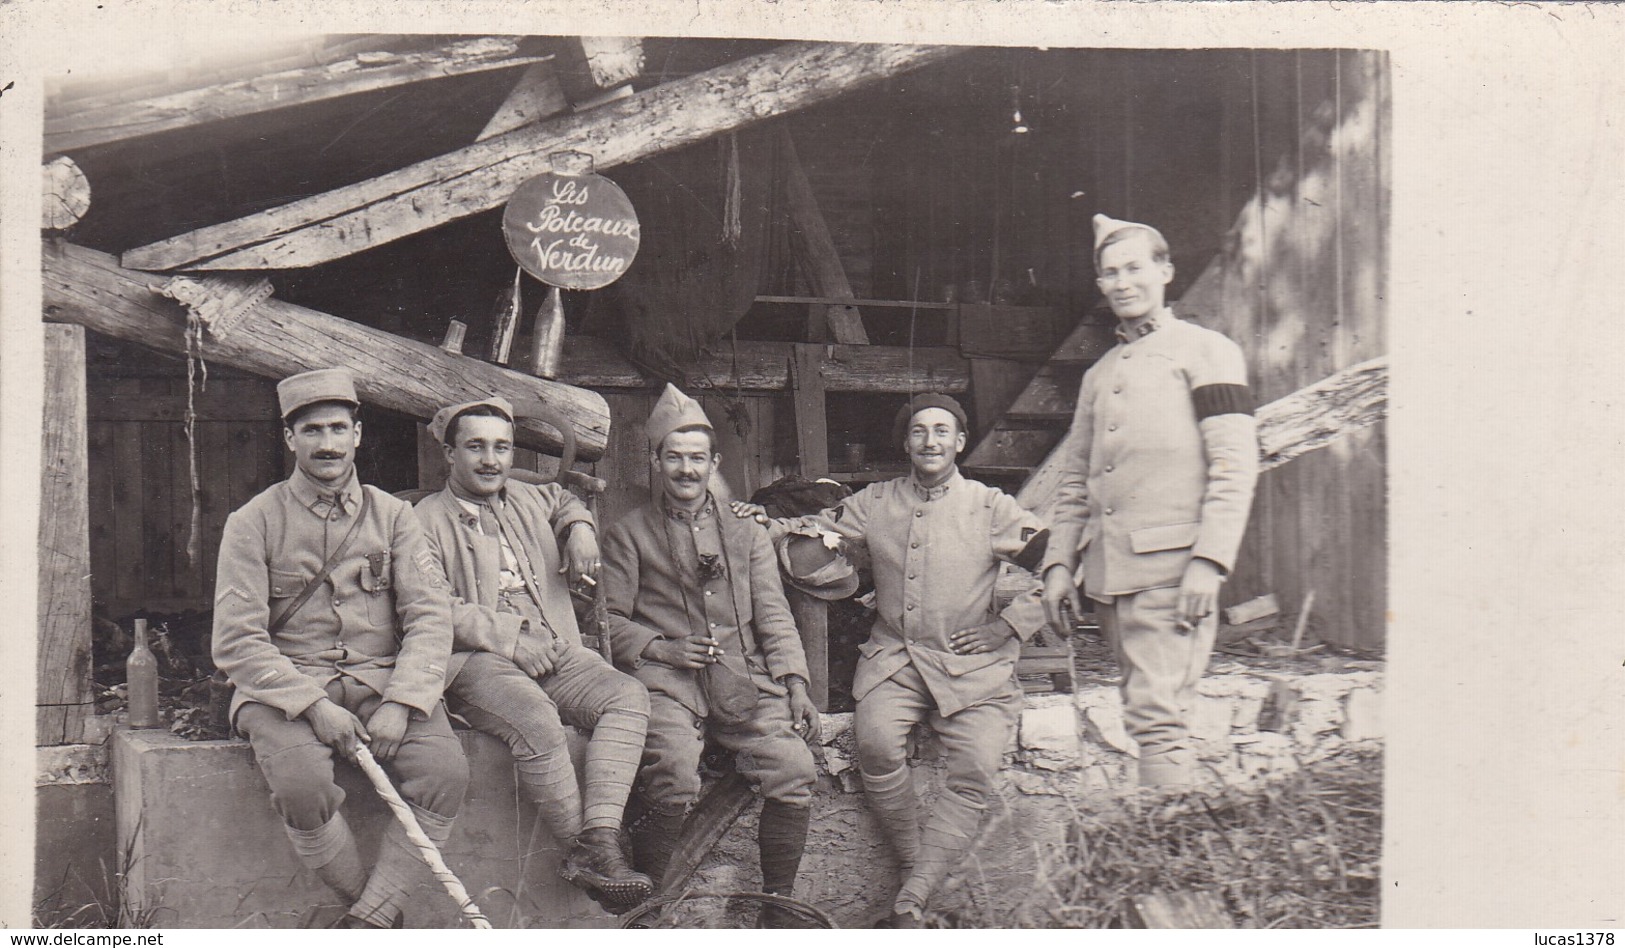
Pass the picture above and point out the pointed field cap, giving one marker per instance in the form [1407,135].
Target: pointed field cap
[320,385]
[814,566]
[674,410]
[443,417]
[1107,226]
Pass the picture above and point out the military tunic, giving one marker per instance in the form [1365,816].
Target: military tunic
[1159,468]
[658,585]
[377,629]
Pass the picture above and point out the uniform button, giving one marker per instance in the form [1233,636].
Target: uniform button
[1109,511]
[911,607]
[697,725]
[696,529]
[1111,427]
[1117,389]
[914,546]
[1109,469]
[1127,354]
[713,625]
[708,592]
[919,513]
[910,575]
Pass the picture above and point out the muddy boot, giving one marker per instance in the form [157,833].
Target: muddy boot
[595,863]
[946,836]
[655,833]
[781,838]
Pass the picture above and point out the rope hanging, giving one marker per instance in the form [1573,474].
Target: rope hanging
[195,367]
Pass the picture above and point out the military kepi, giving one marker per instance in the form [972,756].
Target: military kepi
[443,417]
[674,410]
[1107,226]
[320,385]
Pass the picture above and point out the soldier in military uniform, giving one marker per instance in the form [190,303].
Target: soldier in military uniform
[519,670]
[1158,477]
[330,622]
[697,614]
[939,652]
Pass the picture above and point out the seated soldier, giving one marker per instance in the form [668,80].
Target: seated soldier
[698,615]
[938,652]
[332,623]
[519,671]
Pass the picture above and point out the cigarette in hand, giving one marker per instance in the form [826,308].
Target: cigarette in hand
[588,580]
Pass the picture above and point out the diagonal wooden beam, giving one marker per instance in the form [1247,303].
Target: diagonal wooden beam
[482,176]
[1293,425]
[277,339]
[75,128]
[819,258]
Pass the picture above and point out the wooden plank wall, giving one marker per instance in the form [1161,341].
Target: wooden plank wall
[63,689]
[140,482]
[1300,286]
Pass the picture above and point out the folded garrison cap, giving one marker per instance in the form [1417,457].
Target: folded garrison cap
[321,385]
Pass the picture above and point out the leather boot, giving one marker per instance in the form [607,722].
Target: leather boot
[398,871]
[595,863]
[654,834]
[781,840]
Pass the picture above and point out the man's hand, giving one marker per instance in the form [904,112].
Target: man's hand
[535,656]
[581,559]
[692,652]
[748,511]
[1198,592]
[1059,591]
[982,638]
[335,726]
[387,726]
[803,713]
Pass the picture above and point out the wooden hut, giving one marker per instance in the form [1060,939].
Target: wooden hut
[826,227]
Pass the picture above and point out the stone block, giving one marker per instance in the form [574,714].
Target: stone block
[1051,732]
[1362,715]
[207,850]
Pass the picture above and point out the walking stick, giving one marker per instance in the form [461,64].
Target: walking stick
[414,832]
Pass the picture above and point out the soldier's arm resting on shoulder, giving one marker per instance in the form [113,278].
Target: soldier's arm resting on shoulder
[846,519]
[423,609]
[241,640]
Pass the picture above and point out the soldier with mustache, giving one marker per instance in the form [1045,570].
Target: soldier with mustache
[697,614]
[519,670]
[331,620]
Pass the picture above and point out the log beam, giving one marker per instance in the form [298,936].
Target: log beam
[480,177]
[278,339]
[364,72]
[765,367]
[1289,427]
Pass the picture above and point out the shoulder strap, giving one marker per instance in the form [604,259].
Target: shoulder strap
[325,571]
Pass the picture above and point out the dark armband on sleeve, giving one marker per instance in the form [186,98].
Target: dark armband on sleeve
[1032,555]
[1214,400]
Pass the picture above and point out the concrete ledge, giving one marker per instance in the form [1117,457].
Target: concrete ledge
[208,851]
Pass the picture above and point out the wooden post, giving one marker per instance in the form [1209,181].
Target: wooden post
[64,697]
[812,424]
[819,257]
[812,621]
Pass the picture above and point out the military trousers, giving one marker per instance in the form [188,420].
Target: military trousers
[496,697]
[428,769]
[973,738]
[1161,665]
[767,751]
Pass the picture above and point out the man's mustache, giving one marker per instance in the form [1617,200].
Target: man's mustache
[328,455]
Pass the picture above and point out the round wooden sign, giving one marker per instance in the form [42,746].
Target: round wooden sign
[576,231]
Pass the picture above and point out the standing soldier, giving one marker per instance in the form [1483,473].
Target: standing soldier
[519,670]
[697,613]
[330,620]
[939,653]
[1157,481]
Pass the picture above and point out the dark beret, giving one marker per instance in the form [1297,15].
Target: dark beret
[927,400]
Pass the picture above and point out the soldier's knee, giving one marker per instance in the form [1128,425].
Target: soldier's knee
[306,799]
[631,696]
[438,780]
[880,751]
